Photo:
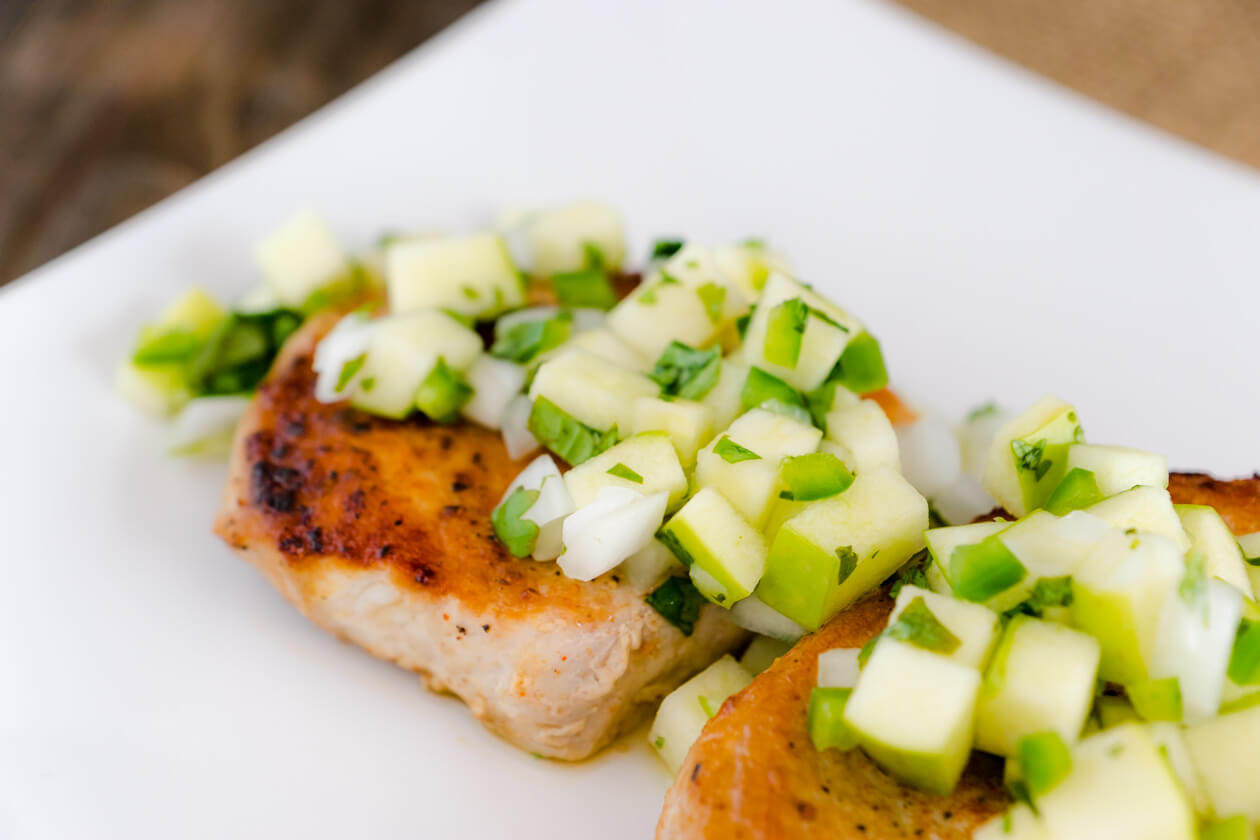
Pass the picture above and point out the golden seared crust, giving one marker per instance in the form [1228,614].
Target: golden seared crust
[326,481]
[379,531]
[753,773]
[1237,500]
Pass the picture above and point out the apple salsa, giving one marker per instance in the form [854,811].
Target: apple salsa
[1102,640]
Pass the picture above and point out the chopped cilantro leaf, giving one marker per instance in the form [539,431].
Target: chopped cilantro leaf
[588,287]
[919,626]
[732,453]
[569,438]
[686,372]
[678,602]
[525,341]
[848,562]
[663,248]
[1030,457]
[620,470]
[982,411]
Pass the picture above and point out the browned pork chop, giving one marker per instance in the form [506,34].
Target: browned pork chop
[754,773]
[379,531]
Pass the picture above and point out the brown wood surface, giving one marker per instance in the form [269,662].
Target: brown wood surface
[108,105]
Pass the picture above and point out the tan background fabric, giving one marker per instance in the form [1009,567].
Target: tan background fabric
[108,105]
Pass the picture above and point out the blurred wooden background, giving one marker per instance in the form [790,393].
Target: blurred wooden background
[106,106]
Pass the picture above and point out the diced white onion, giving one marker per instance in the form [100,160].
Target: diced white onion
[548,512]
[205,426]
[515,427]
[1194,643]
[533,476]
[649,566]
[495,382]
[963,500]
[347,340]
[974,437]
[838,668]
[930,457]
[605,532]
[754,614]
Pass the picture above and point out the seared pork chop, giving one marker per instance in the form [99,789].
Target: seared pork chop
[753,773]
[379,531]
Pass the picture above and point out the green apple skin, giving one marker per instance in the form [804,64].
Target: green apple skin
[1077,490]
[726,555]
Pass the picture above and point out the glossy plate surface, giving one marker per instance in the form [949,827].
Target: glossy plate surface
[1002,236]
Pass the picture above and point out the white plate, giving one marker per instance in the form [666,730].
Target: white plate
[1001,235]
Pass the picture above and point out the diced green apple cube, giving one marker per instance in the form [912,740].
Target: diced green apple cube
[976,627]
[605,344]
[697,267]
[403,350]
[912,712]
[752,484]
[941,542]
[1146,509]
[688,424]
[749,264]
[648,464]
[1054,546]
[1041,679]
[1117,596]
[469,275]
[838,549]
[1028,456]
[791,342]
[683,714]
[827,727]
[1078,489]
[660,312]
[1048,547]
[726,555]
[1224,752]
[299,257]
[1120,786]
[1211,537]
[987,573]
[592,390]
[561,238]
[1116,468]
[867,436]
[822,338]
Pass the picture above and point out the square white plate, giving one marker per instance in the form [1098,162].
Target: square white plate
[1003,237]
